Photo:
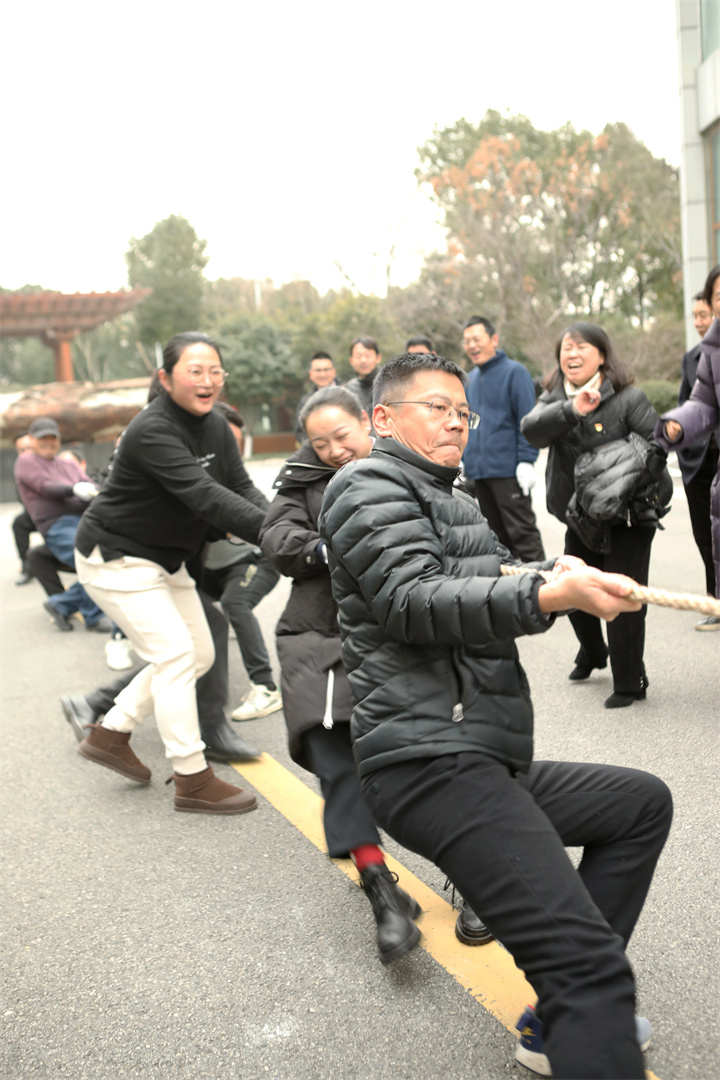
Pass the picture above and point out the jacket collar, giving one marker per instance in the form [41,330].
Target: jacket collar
[492,362]
[303,468]
[404,453]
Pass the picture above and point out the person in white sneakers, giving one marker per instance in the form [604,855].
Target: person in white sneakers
[239,576]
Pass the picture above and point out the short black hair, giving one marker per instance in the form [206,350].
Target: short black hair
[420,339]
[231,415]
[700,296]
[709,284]
[333,397]
[480,320]
[399,373]
[366,342]
[321,356]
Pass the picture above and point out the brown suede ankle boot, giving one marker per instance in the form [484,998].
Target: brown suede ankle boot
[111,749]
[206,793]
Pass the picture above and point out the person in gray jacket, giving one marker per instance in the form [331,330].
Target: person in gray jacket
[442,725]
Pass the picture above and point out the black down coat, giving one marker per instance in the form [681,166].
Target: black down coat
[308,638]
[428,624]
[554,423]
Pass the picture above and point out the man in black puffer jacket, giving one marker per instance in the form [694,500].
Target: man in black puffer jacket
[443,725]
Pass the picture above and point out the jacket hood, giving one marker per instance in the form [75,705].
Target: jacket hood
[303,468]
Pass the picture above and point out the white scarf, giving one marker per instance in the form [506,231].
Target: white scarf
[592,384]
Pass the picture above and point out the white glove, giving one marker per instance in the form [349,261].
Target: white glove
[85,490]
[525,476]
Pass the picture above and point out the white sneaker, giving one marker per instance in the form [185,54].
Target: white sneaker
[118,654]
[259,701]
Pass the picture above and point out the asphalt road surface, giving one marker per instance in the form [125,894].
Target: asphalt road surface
[139,942]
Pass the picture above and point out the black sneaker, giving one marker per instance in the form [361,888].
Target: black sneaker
[58,618]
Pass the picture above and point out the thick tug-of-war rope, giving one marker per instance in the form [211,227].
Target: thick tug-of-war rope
[706,605]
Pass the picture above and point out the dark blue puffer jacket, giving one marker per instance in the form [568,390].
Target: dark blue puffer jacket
[428,624]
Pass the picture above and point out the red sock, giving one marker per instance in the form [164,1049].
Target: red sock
[366,855]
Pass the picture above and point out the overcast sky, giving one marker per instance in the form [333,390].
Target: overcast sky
[287,132]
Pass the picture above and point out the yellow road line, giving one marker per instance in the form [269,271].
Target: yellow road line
[488,972]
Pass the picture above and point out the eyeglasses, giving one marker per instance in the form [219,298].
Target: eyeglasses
[216,375]
[441,411]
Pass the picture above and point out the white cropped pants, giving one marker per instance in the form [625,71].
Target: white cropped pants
[163,617]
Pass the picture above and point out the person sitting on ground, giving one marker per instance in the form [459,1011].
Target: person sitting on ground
[239,576]
[56,493]
[442,725]
[176,478]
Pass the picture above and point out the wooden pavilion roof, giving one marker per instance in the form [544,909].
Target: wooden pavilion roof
[56,314]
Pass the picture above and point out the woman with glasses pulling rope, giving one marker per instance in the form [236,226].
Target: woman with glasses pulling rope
[607,480]
[176,477]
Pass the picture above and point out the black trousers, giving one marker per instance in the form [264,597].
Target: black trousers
[501,840]
[347,821]
[698,497]
[239,588]
[22,526]
[43,565]
[511,516]
[211,688]
[626,634]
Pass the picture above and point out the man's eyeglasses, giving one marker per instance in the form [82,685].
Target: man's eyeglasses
[441,411]
[216,375]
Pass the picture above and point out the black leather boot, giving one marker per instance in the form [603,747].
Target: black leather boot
[222,744]
[394,912]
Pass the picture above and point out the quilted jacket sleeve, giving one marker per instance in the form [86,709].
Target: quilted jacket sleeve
[289,537]
[383,544]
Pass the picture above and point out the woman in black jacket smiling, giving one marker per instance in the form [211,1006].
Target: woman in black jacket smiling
[590,403]
[176,474]
[315,689]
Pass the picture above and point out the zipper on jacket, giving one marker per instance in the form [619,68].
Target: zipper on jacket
[457,713]
[327,718]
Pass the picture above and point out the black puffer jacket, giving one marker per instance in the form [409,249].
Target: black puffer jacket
[308,637]
[554,423]
[428,625]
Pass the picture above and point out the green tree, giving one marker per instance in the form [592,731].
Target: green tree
[259,363]
[170,260]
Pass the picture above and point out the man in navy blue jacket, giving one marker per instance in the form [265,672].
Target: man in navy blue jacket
[498,461]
